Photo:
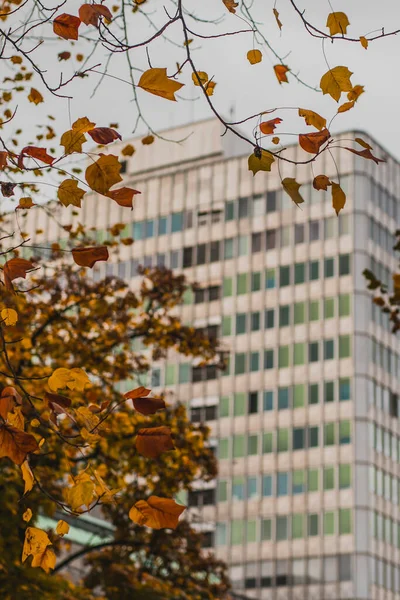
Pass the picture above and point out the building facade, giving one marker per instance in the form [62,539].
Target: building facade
[305,420]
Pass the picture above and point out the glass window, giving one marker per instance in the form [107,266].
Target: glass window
[251,531]
[329,391]
[329,523]
[269,318]
[239,404]
[283,440]
[344,432]
[266,529]
[282,484]
[298,438]
[162,226]
[329,308]
[253,402]
[177,222]
[283,398]
[313,529]
[344,521]
[243,245]
[313,437]
[344,346]
[268,359]
[150,228]
[268,400]
[344,305]
[313,480]
[221,537]
[229,210]
[313,270]
[283,360]
[237,531]
[185,372]
[297,526]
[268,442]
[256,243]
[314,231]
[267,485]
[243,208]
[329,478]
[270,281]
[238,488]
[227,287]
[271,201]
[222,491]
[299,571]
[226,325]
[138,230]
[329,349]
[299,272]
[281,528]
[298,481]
[238,446]
[298,395]
[258,206]
[240,363]
[329,434]
[330,569]
[313,310]
[345,567]
[254,361]
[224,406]
[313,352]
[329,267]
[284,315]
[299,233]
[241,323]
[285,236]
[313,393]
[299,353]
[201,254]
[223,448]
[344,476]
[299,312]
[170,375]
[344,389]
[284,276]
[255,282]
[241,283]
[344,224]
[228,248]
[344,264]
[271,239]
[330,223]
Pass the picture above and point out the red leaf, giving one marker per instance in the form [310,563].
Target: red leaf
[123,196]
[66,26]
[268,127]
[312,142]
[14,268]
[104,135]
[87,257]
[34,152]
[90,13]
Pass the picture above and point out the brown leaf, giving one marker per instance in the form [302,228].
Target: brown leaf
[90,13]
[123,196]
[103,135]
[148,406]
[362,143]
[8,400]
[16,444]
[34,152]
[153,441]
[138,393]
[280,72]
[104,173]
[157,513]
[366,154]
[312,142]
[64,55]
[231,5]
[7,188]
[312,118]
[129,150]
[291,187]
[14,268]
[147,140]
[58,405]
[268,127]
[66,26]
[87,257]
[321,182]
[338,197]
[35,96]
[276,15]
[3,159]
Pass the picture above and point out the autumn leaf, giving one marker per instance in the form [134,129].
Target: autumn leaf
[153,441]
[9,316]
[73,379]
[27,476]
[7,188]
[25,203]
[280,72]
[156,81]
[337,22]
[128,150]
[46,560]
[362,143]
[3,159]
[90,14]
[199,78]
[27,516]
[123,196]
[148,406]
[312,118]
[291,187]
[364,42]
[72,141]
[276,15]
[87,257]
[267,127]
[86,418]
[366,154]
[16,418]
[66,26]
[321,182]
[260,161]
[81,493]
[34,152]
[336,81]
[312,142]
[231,5]
[345,107]
[210,86]
[69,193]
[254,56]
[275,140]
[16,444]
[35,544]
[14,268]
[64,55]
[338,197]
[35,96]
[355,93]
[58,405]
[156,513]
[104,135]
[104,173]
[137,393]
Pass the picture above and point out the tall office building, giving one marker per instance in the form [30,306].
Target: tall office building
[305,419]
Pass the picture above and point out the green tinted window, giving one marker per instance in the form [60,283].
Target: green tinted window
[283,440]
[240,363]
[283,360]
[184,373]
[299,353]
[170,375]
[297,526]
[239,404]
[313,310]
[344,346]
[241,283]
[255,282]
[266,529]
[329,523]
[237,531]
[313,528]
[223,448]
[329,308]
[222,491]
[313,393]
[224,406]
[251,530]
[281,528]
[313,480]
[344,476]
[226,325]
[299,313]
[298,395]
[345,521]
[299,272]
[238,446]
[252,445]
[329,478]
[329,434]
[267,442]
[284,276]
[227,287]
[344,305]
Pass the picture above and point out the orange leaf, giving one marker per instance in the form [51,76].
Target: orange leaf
[129,150]
[14,268]
[123,196]
[34,152]
[338,197]
[104,173]
[268,127]
[147,140]
[148,406]
[280,72]
[312,142]
[231,5]
[153,441]
[345,107]
[16,444]
[366,154]
[275,140]
[35,96]
[138,393]
[66,26]
[90,13]
[364,42]
[103,135]
[254,56]
[321,182]
[276,15]
[87,257]
[8,400]
[157,513]
[3,159]
[155,81]
[355,92]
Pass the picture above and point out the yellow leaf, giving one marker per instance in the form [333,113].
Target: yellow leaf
[74,379]
[72,141]
[35,423]
[103,492]
[254,56]
[27,476]
[364,42]
[362,143]
[200,77]
[9,316]
[276,15]
[231,5]
[16,418]
[81,493]
[260,161]
[336,81]
[210,88]
[36,542]
[312,118]
[158,83]
[27,516]
[275,140]
[69,193]
[46,560]
[35,96]
[355,93]
[25,203]
[338,197]
[157,513]
[104,173]
[62,528]
[83,125]
[86,418]
[345,107]
[291,187]
[129,150]
[337,22]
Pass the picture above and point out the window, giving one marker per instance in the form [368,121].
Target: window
[268,359]
[329,391]
[241,323]
[297,526]
[344,389]
[299,353]
[344,476]
[344,521]
[298,233]
[313,530]
[329,478]
[284,315]
[187,257]
[282,484]
[314,231]
[270,281]
[267,486]
[344,346]
[255,321]
[329,227]
[281,528]
[149,229]
[222,491]
[170,375]
[258,206]
[184,373]
[298,395]
[329,267]
[299,313]
[251,536]
[313,310]
[313,393]
[345,567]
[344,432]
[267,443]
[238,446]
[138,230]
[256,243]
[224,406]
[285,236]
[271,201]
[283,440]
[201,254]
[215,254]
[254,361]
[238,488]
[283,358]
[229,210]
[237,531]
[228,248]
[239,404]
[177,222]
[329,523]
[266,529]
[313,437]
[298,481]
[283,398]
[329,349]
[270,239]
[240,363]
[329,434]
[255,282]
[241,283]
[298,438]
[243,245]
[221,537]
[313,270]
[313,480]
[162,226]
[344,264]
[268,403]
[227,287]
[329,308]
[344,305]
[214,292]
[313,352]
[226,325]
[284,276]
[223,448]
[243,208]
[330,569]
